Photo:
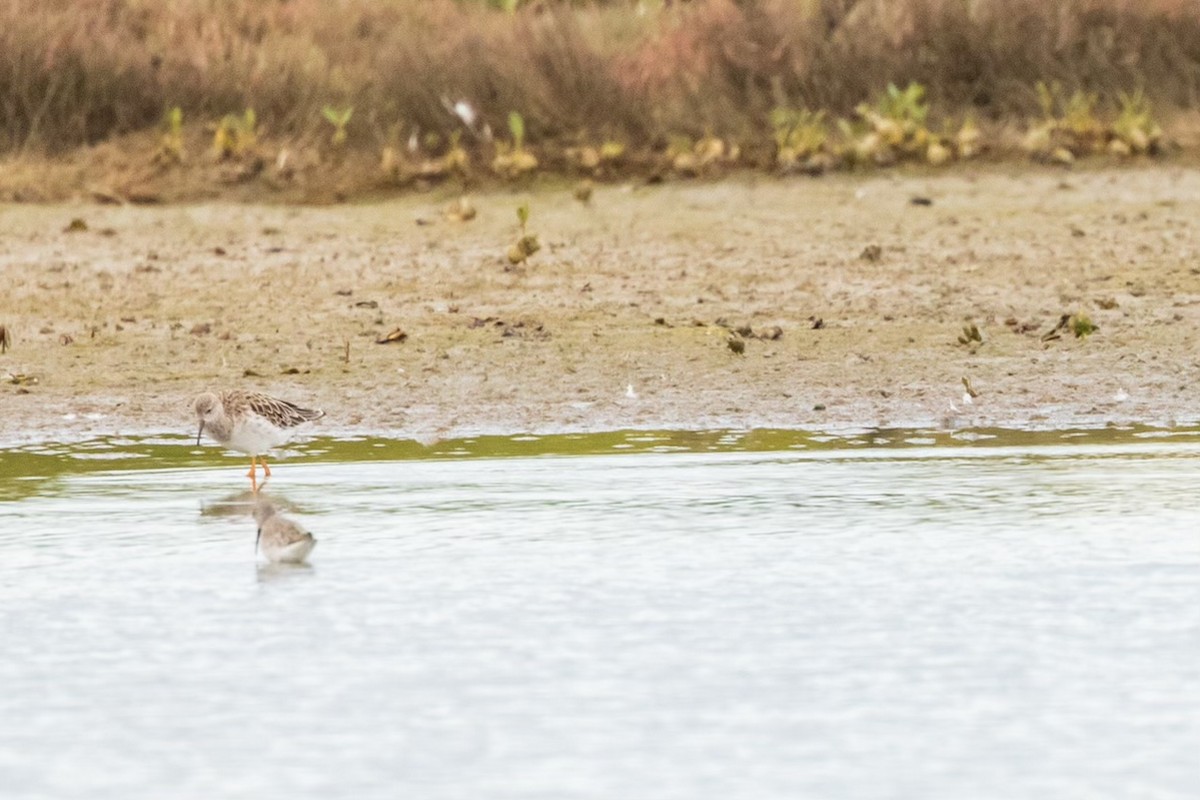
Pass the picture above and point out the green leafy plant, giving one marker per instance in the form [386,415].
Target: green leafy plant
[170,146]
[596,159]
[896,126]
[797,132]
[906,106]
[1079,115]
[1069,126]
[611,151]
[1135,129]
[516,126]
[1081,325]
[339,119]
[513,160]
[236,136]
[801,139]
[528,243]
[1076,113]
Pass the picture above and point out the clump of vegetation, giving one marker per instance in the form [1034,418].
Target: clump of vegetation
[1135,131]
[236,137]
[712,151]
[512,159]
[690,158]
[527,244]
[895,127]
[596,160]
[968,141]
[1081,325]
[800,138]
[970,333]
[611,152]
[1069,127]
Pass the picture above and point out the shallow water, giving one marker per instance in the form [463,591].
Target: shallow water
[705,615]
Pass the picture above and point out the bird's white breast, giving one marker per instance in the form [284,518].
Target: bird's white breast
[254,435]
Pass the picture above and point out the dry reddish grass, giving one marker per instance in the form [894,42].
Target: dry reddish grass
[78,72]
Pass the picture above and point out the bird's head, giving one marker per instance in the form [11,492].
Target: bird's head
[262,510]
[207,409]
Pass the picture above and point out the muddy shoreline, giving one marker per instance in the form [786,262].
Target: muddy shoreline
[854,296]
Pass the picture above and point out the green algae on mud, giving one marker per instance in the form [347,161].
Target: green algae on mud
[31,469]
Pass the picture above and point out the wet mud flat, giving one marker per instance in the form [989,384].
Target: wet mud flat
[745,303]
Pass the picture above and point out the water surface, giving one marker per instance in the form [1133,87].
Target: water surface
[706,615]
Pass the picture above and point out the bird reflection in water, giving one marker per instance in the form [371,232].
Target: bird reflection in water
[279,540]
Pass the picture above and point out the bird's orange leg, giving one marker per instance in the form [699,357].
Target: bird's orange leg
[266,470]
[252,474]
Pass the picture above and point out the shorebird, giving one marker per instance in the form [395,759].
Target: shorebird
[250,422]
[280,539]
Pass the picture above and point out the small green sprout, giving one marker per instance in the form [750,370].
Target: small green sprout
[1082,325]
[516,126]
[513,160]
[528,244]
[904,105]
[338,118]
[170,148]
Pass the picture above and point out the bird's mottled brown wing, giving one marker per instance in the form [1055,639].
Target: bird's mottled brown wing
[280,412]
[281,531]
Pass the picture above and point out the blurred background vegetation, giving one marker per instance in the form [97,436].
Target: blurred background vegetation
[424,90]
